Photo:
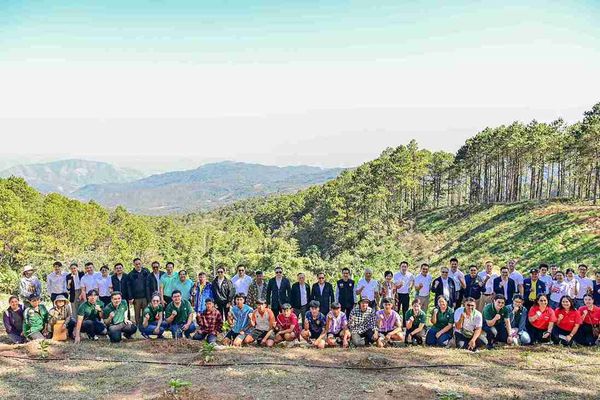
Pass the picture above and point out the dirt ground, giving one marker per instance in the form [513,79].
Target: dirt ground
[96,370]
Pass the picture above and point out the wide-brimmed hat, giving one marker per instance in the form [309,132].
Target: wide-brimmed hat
[61,297]
[28,268]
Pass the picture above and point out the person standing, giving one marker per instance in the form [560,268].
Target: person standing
[278,291]
[368,288]
[56,281]
[105,285]
[444,286]
[299,297]
[116,321]
[423,287]
[532,288]
[344,292]
[119,282]
[515,276]
[596,289]
[585,285]
[138,289]
[545,277]
[558,289]
[184,285]
[13,320]
[487,276]
[201,292]
[257,290]
[505,286]
[241,281]
[89,281]
[74,286]
[404,281]
[387,288]
[459,282]
[223,292]
[166,283]
[153,284]
[322,291]
[29,285]
[474,284]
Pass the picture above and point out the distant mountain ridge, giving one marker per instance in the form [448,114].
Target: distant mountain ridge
[206,187]
[66,176]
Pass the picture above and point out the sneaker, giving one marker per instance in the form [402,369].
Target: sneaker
[95,338]
[563,337]
[144,335]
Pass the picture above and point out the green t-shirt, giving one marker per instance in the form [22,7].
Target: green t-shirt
[444,318]
[166,282]
[88,310]
[35,321]
[152,313]
[119,311]
[419,318]
[489,312]
[183,312]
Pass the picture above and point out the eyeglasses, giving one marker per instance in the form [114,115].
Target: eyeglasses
[220,272]
[469,305]
[444,272]
[241,270]
[279,272]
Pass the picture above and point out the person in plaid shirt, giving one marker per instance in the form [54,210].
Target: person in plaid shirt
[363,323]
[210,323]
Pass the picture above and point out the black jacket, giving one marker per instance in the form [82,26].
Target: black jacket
[326,298]
[71,286]
[151,285]
[295,299]
[224,294]
[437,287]
[138,282]
[121,285]
[277,297]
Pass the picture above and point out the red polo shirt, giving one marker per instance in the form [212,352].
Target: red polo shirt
[592,317]
[544,320]
[569,320]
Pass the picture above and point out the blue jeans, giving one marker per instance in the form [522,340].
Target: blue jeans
[149,330]
[442,341]
[554,304]
[206,336]
[177,330]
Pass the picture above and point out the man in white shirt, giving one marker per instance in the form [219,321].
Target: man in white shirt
[558,289]
[368,288]
[241,282]
[56,281]
[404,281]
[515,276]
[459,282]
[487,277]
[89,281]
[422,285]
[586,285]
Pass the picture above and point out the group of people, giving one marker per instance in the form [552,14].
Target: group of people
[470,310]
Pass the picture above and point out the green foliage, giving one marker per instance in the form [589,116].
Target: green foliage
[176,384]
[44,347]
[208,350]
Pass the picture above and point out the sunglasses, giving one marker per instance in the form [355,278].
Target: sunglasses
[279,272]
[241,270]
[220,272]
[469,305]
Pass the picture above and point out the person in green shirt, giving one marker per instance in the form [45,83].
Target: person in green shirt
[89,317]
[180,316]
[496,322]
[442,322]
[35,318]
[153,319]
[115,318]
[415,324]
[166,284]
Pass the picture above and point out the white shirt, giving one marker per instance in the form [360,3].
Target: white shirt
[446,288]
[558,290]
[426,282]
[241,285]
[489,285]
[547,279]
[369,288]
[56,283]
[456,277]
[303,297]
[104,285]
[584,284]
[469,323]
[90,281]
[517,277]
[573,287]
[406,279]
[76,281]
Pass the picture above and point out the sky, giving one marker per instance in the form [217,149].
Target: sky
[161,85]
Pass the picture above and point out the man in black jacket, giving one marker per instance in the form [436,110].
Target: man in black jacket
[153,283]
[120,284]
[299,297]
[322,292]
[137,280]
[344,292]
[74,286]
[444,286]
[223,292]
[278,291]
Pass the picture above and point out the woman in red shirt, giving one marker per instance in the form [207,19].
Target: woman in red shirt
[567,324]
[542,319]
[587,335]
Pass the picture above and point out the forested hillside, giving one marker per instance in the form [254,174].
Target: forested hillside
[500,197]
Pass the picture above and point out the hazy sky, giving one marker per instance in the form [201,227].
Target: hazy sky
[171,84]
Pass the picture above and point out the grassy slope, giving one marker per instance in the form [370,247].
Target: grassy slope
[555,233]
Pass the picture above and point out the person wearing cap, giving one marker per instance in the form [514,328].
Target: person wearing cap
[61,312]
[241,323]
[389,323]
[442,322]
[517,313]
[322,291]
[468,323]
[300,297]
[115,318]
[286,325]
[314,326]
[35,320]
[588,334]
[179,315]
[415,324]
[541,320]
[496,322]
[13,318]
[532,288]
[89,318]
[368,288]
[154,319]
[56,281]
[29,285]
[201,292]
[337,326]
[363,324]
[257,289]
[209,323]
[264,323]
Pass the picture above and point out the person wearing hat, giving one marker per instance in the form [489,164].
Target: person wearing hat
[13,320]
[314,326]
[389,323]
[287,325]
[264,324]
[29,285]
[210,322]
[61,312]
[89,317]
[363,323]
[532,288]
[115,319]
[337,326]
[153,318]
[368,288]
[35,320]
[240,321]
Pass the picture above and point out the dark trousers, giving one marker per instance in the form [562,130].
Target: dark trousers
[105,300]
[496,333]
[93,328]
[301,314]
[403,300]
[346,308]
[116,331]
[537,335]
[53,296]
[363,339]
[224,310]
[419,336]
[167,300]
[585,335]
[177,330]
[556,332]
[459,298]
[212,339]
[462,342]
